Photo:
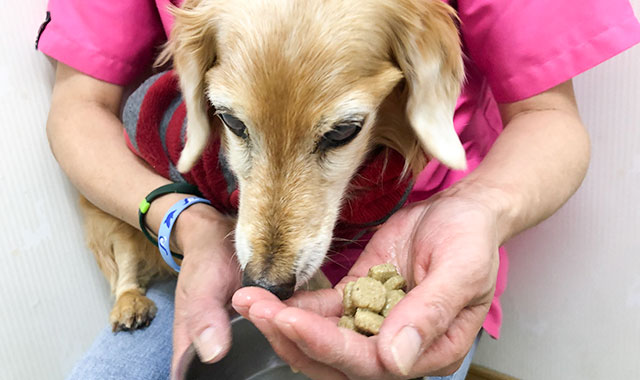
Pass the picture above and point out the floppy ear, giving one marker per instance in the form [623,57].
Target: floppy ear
[192,46]
[426,46]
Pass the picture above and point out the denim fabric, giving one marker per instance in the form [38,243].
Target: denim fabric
[139,355]
[146,354]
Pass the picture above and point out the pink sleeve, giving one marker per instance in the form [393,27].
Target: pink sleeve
[114,41]
[526,47]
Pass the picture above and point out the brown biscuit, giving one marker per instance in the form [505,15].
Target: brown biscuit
[367,321]
[369,294]
[382,272]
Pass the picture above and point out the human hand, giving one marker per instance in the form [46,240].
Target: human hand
[447,249]
[208,278]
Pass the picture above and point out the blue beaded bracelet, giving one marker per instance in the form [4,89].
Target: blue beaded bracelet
[167,225]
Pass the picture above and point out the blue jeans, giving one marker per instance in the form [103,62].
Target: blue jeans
[146,354]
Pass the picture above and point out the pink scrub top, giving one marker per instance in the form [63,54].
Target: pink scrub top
[515,49]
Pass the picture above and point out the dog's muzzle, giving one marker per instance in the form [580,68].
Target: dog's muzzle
[282,290]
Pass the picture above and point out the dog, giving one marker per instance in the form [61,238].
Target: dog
[305,90]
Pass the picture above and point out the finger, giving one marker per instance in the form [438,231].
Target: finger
[209,328]
[204,288]
[323,341]
[425,314]
[181,340]
[244,298]
[447,352]
[325,302]
[262,315]
[259,306]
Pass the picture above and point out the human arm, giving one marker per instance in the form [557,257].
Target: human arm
[448,248]
[536,164]
[86,136]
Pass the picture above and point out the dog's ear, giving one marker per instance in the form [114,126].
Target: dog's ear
[426,46]
[192,47]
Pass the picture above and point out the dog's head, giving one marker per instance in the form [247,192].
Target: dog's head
[305,89]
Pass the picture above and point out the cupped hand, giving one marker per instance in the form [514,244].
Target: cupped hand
[208,278]
[447,249]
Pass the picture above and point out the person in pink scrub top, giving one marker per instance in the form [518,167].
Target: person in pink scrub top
[527,153]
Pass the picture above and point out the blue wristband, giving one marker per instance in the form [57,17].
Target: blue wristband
[167,225]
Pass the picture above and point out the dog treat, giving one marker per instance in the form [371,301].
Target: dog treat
[347,322]
[368,300]
[369,294]
[347,303]
[367,321]
[382,272]
[395,282]
[393,297]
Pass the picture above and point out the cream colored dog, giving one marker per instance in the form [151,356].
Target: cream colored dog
[305,89]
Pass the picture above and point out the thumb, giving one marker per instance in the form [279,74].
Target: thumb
[201,317]
[418,320]
[209,329]
[210,333]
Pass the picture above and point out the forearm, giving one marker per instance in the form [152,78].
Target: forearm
[536,164]
[87,139]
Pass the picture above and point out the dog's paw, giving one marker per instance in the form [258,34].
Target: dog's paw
[133,310]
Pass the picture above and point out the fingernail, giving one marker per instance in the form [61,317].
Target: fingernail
[206,345]
[405,348]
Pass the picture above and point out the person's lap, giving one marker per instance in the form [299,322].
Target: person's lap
[139,355]
[146,354]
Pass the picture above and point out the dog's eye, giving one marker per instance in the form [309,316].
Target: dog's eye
[234,124]
[340,135]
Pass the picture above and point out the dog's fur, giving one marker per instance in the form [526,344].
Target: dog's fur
[128,261]
[292,70]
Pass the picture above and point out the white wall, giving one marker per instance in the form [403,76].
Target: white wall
[573,303]
[572,306]
[53,300]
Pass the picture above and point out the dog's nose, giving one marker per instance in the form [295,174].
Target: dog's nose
[282,291]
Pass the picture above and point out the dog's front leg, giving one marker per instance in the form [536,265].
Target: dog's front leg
[128,261]
[132,308]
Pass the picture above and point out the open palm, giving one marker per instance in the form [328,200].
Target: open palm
[447,249]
